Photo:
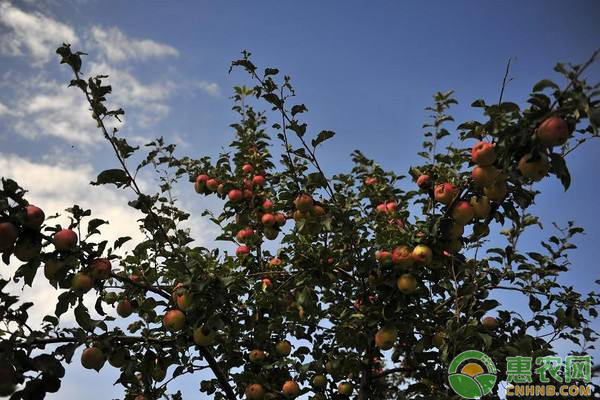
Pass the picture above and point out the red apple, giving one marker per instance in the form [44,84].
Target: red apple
[64,239]
[212,185]
[204,336]
[235,195]
[484,176]
[174,321]
[280,218]
[384,257]
[275,262]
[245,235]
[247,168]
[391,206]
[242,251]
[381,208]
[345,388]
[100,269]
[423,182]
[318,211]
[34,216]
[268,219]
[445,193]
[8,236]
[290,389]
[248,194]
[255,392]
[92,358]
[370,181]
[553,132]
[182,297]
[267,205]
[124,308]
[266,283]
[304,203]
[489,322]
[258,180]
[200,184]
[463,212]
[256,356]
[483,154]
[402,257]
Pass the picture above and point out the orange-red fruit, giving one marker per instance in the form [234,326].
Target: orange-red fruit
[244,235]
[242,251]
[497,190]
[255,392]
[553,132]
[174,321]
[268,219]
[463,212]
[304,203]
[124,308]
[275,262]
[64,239]
[267,204]
[283,348]
[345,388]
[212,185]
[266,282]
[370,181]
[248,194]
[182,297]
[445,193]
[200,184]
[8,236]
[489,322]
[280,218]
[258,180]
[247,168]
[290,389]
[402,257]
[391,206]
[100,268]
[383,256]
[34,216]
[407,284]
[385,338]
[484,176]
[381,208]
[532,168]
[318,211]
[81,282]
[256,356]
[235,195]
[483,153]
[92,358]
[423,181]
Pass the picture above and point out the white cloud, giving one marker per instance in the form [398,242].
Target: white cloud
[209,87]
[32,33]
[117,47]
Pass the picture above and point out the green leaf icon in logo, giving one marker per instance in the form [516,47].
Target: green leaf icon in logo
[472,381]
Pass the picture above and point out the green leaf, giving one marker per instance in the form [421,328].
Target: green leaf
[117,177]
[535,304]
[560,169]
[543,84]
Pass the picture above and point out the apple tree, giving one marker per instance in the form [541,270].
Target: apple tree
[363,284]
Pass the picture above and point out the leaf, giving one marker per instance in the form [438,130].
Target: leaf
[83,317]
[535,304]
[117,177]
[298,108]
[560,169]
[271,71]
[94,224]
[120,241]
[543,84]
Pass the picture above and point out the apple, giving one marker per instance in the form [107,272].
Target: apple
[124,308]
[481,206]
[283,348]
[268,219]
[280,218]
[8,236]
[370,181]
[266,283]
[183,298]
[27,249]
[553,132]
[463,212]
[318,211]
[484,176]
[445,193]
[221,189]
[140,397]
[422,254]
[255,392]
[256,356]
[319,382]
[497,190]
[174,321]
[275,262]
[100,268]
[242,251]
[235,195]
[384,257]
[480,230]
[204,336]
[386,337]
[407,284]
[381,208]
[489,322]
[248,194]
[483,153]
[290,389]
[423,182]
[267,204]
[64,240]
[200,184]
[247,168]
[51,268]
[81,282]
[34,216]
[402,257]
[119,358]
[212,185]
[438,339]
[391,206]
[345,388]
[92,358]
[304,203]
[258,180]
[534,167]
[245,235]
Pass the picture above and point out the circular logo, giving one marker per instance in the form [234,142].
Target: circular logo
[476,377]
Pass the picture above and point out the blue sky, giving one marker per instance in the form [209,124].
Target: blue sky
[364,69]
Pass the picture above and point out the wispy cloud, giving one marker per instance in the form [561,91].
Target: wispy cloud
[33,34]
